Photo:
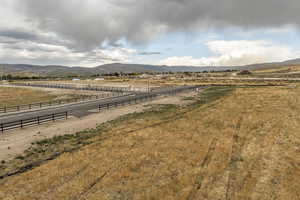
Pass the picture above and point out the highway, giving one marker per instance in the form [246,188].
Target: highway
[83,108]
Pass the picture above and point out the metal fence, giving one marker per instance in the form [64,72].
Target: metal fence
[8,109]
[114,103]
[77,87]
[33,121]
[129,101]
[144,97]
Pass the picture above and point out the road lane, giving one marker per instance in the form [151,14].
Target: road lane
[86,106]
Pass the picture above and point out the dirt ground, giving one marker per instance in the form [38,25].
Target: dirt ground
[13,143]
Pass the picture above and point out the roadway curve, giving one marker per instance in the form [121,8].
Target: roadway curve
[82,108]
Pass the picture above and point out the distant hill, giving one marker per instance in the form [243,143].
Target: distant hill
[49,70]
[56,70]
[128,68]
[273,65]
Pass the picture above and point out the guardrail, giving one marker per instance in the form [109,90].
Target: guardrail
[115,103]
[143,97]
[77,87]
[8,109]
[129,101]
[32,121]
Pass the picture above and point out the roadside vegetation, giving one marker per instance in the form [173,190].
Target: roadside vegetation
[231,143]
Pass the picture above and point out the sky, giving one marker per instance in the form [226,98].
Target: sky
[161,32]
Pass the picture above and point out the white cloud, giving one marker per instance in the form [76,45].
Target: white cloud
[40,53]
[236,53]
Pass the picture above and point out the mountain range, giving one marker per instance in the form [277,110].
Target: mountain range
[57,71]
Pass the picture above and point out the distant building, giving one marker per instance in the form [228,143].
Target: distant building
[75,79]
[99,79]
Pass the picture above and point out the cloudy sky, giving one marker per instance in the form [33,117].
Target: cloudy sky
[165,32]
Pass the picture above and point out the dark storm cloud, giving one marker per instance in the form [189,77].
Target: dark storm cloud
[89,23]
[15,34]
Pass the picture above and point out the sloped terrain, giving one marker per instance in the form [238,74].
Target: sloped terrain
[243,146]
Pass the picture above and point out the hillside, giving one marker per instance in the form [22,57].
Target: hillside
[56,70]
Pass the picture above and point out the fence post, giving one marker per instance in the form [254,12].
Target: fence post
[53,119]
[5,109]
[67,115]
[2,128]
[38,119]
[21,123]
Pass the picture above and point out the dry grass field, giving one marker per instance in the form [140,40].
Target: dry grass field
[245,145]
[284,69]
[173,82]
[10,96]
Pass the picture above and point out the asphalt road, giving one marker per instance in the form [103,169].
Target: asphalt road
[82,109]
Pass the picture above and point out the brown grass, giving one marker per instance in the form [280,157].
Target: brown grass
[19,96]
[169,82]
[245,146]
[279,69]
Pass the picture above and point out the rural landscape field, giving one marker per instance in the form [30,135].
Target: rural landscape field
[230,142]
[149,100]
